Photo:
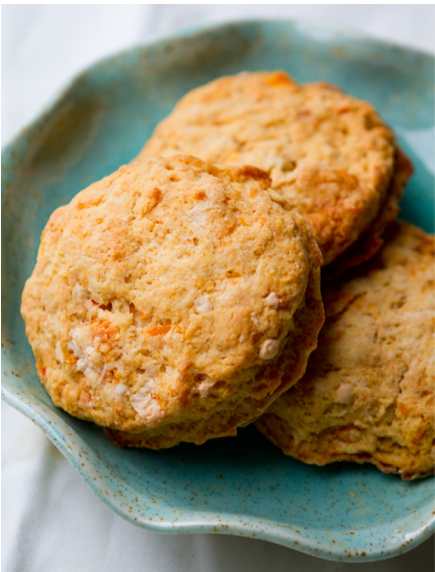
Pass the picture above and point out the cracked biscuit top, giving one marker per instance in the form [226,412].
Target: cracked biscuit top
[168,290]
[368,393]
[329,155]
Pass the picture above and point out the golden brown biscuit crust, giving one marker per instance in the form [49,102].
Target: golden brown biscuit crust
[368,393]
[329,155]
[368,244]
[157,300]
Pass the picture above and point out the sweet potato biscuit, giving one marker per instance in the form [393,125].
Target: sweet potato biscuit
[329,155]
[368,393]
[164,298]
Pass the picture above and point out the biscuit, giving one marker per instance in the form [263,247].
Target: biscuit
[329,155]
[167,301]
[368,393]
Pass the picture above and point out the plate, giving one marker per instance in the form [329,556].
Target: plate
[242,486]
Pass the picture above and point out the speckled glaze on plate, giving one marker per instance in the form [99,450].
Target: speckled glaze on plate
[242,486]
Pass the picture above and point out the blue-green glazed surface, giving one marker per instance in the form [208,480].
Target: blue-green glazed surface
[243,486]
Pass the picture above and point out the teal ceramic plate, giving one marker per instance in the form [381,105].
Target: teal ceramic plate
[242,486]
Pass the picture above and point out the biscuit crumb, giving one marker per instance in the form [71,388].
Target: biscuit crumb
[344,394]
[273,300]
[203,304]
[269,349]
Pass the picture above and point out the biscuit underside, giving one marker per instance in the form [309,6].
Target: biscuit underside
[223,421]
[368,393]
[320,451]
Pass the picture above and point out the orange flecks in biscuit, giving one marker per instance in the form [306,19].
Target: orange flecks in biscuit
[304,114]
[403,409]
[85,399]
[342,109]
[279,79]
[104,330]
[249,172]
[157,330]
[200,195]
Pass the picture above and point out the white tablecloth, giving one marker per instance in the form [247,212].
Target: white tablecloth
[52,522]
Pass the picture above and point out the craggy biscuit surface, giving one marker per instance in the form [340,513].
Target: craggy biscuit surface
[165,294]
[368,393]
[329,155]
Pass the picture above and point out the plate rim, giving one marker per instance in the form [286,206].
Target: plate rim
[89,466]
[328,25]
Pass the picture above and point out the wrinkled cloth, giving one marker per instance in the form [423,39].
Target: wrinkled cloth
[52,521]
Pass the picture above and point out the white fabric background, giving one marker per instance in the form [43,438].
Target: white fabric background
[52,522]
